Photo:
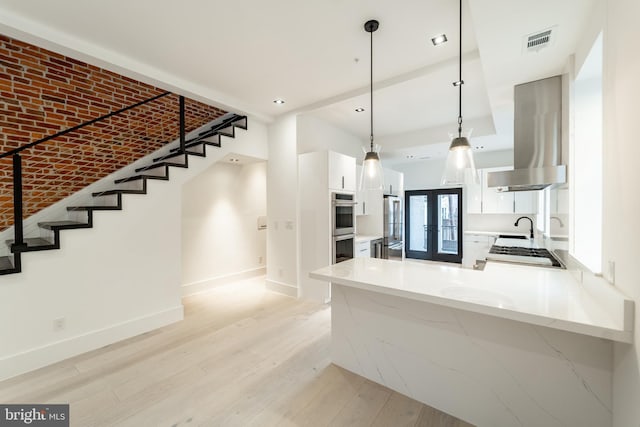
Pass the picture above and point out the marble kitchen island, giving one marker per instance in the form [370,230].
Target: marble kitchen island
[508,346]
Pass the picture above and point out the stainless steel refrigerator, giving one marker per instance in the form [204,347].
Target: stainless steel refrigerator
[393,228]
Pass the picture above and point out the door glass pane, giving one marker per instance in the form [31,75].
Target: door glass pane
[418,215]
[448,224]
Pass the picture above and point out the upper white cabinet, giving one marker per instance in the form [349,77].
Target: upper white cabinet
[525,202]
[474,193]
[342,172]
[559,200]
[369,202]
[484,199]
[494,201]
[393,182]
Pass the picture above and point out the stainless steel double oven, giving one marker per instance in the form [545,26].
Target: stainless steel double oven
[343,226]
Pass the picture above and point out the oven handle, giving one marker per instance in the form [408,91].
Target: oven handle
[343,203]
[344,237]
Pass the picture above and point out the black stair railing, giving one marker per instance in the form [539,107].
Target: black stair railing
[18,209]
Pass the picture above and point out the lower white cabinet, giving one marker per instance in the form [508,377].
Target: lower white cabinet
[363,249]
[476,247]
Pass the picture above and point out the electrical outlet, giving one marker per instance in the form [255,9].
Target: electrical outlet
[59,324]
[260,259]
[280,272]
[289,225]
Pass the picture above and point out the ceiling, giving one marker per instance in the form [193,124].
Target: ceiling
[244,54]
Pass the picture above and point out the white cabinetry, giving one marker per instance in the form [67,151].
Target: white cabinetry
[319,175]
[369,201]
[393,182]
[476,247]
[370,207]
[484,199]
[363,249]
[342,171]
[494,201]
[525,202]
[474,194]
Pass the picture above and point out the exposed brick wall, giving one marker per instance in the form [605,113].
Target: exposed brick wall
[42,93]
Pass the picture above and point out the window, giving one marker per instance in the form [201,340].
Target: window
[586,154]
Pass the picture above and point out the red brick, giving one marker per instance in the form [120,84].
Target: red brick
[44,92]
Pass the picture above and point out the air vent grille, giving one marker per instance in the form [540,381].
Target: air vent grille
[538,40]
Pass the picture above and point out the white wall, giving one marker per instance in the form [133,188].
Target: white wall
[289,136]
[282,187]
[116,280]
[426,174]
[220,236]
[621,198]
[586,166]
[315,134]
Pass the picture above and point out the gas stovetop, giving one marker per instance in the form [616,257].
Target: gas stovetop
[537,256]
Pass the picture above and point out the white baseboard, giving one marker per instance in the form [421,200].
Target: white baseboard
[207,284]
[39,357]
[282,288]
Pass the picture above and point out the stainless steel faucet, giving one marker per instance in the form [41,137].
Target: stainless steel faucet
[530,220]
[558,219]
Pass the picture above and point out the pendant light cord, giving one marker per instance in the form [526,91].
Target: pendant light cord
[371,91]
[460,82]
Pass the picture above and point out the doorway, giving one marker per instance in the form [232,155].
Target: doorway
[434,224]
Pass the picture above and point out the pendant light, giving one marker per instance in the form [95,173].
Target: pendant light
[460,156]
[372,176]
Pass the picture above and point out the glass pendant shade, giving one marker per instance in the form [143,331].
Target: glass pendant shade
[460,167]
[372,177]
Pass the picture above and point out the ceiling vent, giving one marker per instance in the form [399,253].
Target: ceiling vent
[539,40]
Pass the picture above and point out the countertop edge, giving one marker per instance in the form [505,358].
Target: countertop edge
[618,335]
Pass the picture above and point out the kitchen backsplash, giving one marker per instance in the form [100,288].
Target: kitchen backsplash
[497,222]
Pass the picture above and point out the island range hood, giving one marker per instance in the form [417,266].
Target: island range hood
[537,140]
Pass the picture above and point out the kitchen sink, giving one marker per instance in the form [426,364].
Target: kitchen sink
[510,236]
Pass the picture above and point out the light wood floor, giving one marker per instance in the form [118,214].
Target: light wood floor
[243,356]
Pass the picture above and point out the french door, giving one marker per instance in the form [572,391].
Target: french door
[433,223]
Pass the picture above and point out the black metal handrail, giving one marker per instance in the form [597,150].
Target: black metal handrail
[19,244]
[80,126]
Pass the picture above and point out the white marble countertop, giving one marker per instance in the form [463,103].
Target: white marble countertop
[535,295]
[365,238]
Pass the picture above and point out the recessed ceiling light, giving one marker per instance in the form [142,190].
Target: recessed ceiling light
[359,110]
[278,101]
[439,39]
[234,160]
[479,147]
[410,156]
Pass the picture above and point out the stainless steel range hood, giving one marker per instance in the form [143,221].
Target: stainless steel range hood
[537,144]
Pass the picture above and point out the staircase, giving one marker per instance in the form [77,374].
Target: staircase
[111,199]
